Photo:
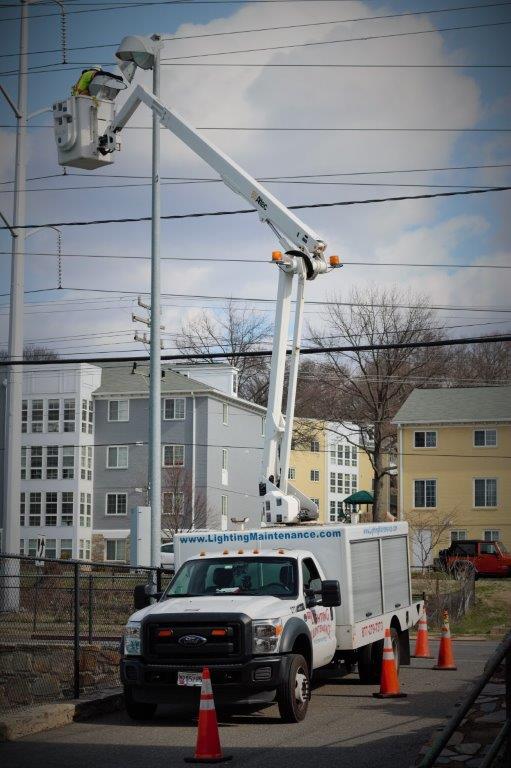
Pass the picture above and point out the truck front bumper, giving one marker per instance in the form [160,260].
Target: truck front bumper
[157,683]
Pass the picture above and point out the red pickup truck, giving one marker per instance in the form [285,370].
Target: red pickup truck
[489,558]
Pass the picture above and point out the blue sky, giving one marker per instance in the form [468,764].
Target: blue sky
[459,230]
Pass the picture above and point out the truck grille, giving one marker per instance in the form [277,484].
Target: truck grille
[174,641]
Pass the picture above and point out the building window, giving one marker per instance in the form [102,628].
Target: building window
[83,462]
[118,410]
[424,493]
[347,477]
[485,492]
[66,549]
[336,514]
[23,463]
[116,550]
[116,503]
[353,483]
[22,509]
[485,438]
[84,549]
[50,508]
[117,457]
[224,508]
[69,415]
[425,439]
[22,546]
[53,415]
[291,473]
[234,383]
[354,456]
[67,508]
[316,502]
[32,547]
[347,454]
[52,462]
[492,535]
[50,549]
[68,462]
[174,408]
[458,535]
[84,416]
[91,416]
[34,517]
[263,426]
[225,414]
[332,481]
[89,462]
[314,446]
[37,416]
[225,467]
[36,462]
[24,416]
[314,475]
[173,503]
[173,455]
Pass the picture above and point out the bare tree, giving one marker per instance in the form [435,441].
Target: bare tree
[366,387]
[427,529]
[237,329]
[476,363]
[32,352]
[181,508]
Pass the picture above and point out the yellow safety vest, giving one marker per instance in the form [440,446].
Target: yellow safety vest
[82,86]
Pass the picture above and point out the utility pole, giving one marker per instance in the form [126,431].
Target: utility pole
[155,460]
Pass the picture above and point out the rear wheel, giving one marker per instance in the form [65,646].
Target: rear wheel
[138,710]
[293,693]
[369,663]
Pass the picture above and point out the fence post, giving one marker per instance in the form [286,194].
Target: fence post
[90,608]
[158,580]
[76,605]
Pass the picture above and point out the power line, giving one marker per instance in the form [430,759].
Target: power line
[215,260]
[172,38]
[268,353]
[313,129]
[205,214]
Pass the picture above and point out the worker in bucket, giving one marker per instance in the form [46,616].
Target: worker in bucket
[81,87]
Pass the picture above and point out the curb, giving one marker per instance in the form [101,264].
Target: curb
[44,717]
[462,638]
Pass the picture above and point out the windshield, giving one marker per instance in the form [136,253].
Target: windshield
[235,576]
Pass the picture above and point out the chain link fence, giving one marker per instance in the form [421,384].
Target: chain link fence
[453,592]
[61,625]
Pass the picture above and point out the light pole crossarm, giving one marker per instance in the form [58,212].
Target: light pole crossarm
[8,225]
[10,101]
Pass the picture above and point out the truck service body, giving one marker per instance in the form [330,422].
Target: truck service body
[248,604]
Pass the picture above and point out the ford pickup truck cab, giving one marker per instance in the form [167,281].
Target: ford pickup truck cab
[265,609]
[261,620]
[489,558]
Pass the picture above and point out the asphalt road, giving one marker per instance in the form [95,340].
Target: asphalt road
[345,727]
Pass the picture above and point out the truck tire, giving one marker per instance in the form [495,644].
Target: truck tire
[293,694]
[138,710]
[369,663]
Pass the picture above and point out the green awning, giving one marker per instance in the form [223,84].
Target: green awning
[360,497]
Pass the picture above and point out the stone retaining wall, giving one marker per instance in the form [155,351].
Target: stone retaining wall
[31,674]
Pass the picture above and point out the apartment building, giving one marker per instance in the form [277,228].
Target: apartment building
[455,466]
[85,453]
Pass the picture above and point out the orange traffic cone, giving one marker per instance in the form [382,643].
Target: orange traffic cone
[445,654]
[389,684]
[207,749]
[421,643]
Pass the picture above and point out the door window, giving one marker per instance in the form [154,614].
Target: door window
[310,575]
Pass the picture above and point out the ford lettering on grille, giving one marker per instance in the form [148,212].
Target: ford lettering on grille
[192,640]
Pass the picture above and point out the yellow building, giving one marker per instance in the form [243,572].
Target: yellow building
[307,464]
[454,447]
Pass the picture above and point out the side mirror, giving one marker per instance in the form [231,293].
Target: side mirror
[330,594]
[141,598]
[310,598]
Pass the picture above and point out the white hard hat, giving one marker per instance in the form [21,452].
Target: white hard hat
[97,67]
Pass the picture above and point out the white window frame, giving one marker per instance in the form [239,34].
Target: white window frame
[39,423]
[116,494]
[118,401]
[54,515]
[51,423]
[225,414]
[455,534]
[72,421]
[225,466]
[425,432]
[116,466]
[314,475]
[425,480]
[491,531]
[71,521]
[173,463]
[314,447]
[70,557]
[174,417]
[291,473]
[116,559]
[486,506]
[224,512]
[485,430]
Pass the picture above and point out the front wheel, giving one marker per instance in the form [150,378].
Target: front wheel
[137,710]
[293,693]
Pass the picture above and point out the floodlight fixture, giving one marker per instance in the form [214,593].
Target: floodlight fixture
[137,51]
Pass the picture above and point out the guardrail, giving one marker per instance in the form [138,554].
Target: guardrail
[502,653]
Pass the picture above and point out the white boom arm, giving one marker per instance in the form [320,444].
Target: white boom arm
[305,257]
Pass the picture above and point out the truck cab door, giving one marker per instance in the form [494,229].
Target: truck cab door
[320,620]
[488,560]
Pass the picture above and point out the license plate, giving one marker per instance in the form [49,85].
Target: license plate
[189,678]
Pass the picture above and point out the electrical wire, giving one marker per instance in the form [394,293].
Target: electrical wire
[172,38]
[206,214]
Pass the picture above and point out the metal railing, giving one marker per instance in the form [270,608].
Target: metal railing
[503,739]
[61,624]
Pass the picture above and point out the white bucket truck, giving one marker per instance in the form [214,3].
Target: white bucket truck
[264,609]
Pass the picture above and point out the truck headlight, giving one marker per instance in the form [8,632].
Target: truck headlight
[266,635]
[132,639]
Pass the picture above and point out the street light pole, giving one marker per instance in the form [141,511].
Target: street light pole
[155,449]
